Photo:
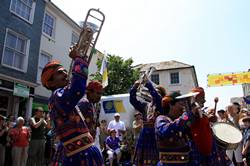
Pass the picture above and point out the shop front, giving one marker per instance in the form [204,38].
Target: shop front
[16,98]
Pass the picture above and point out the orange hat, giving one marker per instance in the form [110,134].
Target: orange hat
[161,90]
[95,85]
[171,97]
[48,72]
[165,102]
[200,90]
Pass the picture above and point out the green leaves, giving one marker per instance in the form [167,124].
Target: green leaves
[121,75]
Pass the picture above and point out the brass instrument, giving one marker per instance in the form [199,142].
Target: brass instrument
[91,29]
[142,90]
[85,46]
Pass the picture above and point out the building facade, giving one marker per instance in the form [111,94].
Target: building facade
[59,33]
[20,36]
[172,75]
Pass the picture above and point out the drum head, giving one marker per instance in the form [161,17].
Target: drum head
[227,133]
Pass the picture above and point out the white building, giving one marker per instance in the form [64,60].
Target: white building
[58,34]
[172,75]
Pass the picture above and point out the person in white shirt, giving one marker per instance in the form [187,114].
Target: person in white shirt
[118,125]
[97,141]
[233,118]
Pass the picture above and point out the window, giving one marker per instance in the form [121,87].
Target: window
[155,78]
[174,78]
[43,60]
[15,52]
[24,9]
[74,38]
[49,25]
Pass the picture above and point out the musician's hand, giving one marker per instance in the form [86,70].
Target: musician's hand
[212,118]
[211,115]
[244,151]
[137,83]
[145,79]
[211,111]
[196,110]
[73,53]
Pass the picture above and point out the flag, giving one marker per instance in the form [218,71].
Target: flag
[104,72]
[228,79]
[113,106]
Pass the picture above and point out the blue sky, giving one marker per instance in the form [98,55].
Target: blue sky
[212,35]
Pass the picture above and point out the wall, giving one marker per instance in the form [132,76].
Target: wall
[58,47]
[187,81]
[31,31]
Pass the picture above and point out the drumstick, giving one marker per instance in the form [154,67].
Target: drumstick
[216,99]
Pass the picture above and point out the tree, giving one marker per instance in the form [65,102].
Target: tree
[121,75]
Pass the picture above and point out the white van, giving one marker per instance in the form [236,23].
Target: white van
[117,103]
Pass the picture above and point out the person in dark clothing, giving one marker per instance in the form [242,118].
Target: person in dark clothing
[37,143]
[246,140]
[3,139]
[11,123]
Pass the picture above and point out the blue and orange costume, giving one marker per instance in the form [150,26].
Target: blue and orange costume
[146,153]
[172,139]
[76,143]
[88,111]
[181,141]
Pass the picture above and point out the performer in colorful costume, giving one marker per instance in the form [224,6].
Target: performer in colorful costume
[204,149]
[88,108]
[172,131]
[76,142]
[146,153]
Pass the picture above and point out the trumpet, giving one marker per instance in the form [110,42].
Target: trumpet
[142,90]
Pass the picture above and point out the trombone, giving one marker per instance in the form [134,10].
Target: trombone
[89,34]
[142,90]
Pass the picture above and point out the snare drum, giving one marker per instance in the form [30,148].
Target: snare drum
[227,136]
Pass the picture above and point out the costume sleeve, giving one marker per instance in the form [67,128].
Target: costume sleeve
[85,107]
[67,97]
[155,95]
[138,105]
[164,127]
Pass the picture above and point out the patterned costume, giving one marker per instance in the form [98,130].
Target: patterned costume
[172,139]
[76,143]
[203,144]
[88,111]
[146,153]
[216,156]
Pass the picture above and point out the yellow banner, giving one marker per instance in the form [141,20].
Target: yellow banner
[228,79]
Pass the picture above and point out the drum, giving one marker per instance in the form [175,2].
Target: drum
[227,136]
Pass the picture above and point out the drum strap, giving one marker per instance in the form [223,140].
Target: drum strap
[79,113]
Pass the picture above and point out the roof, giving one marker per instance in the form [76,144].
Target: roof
[166,65]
